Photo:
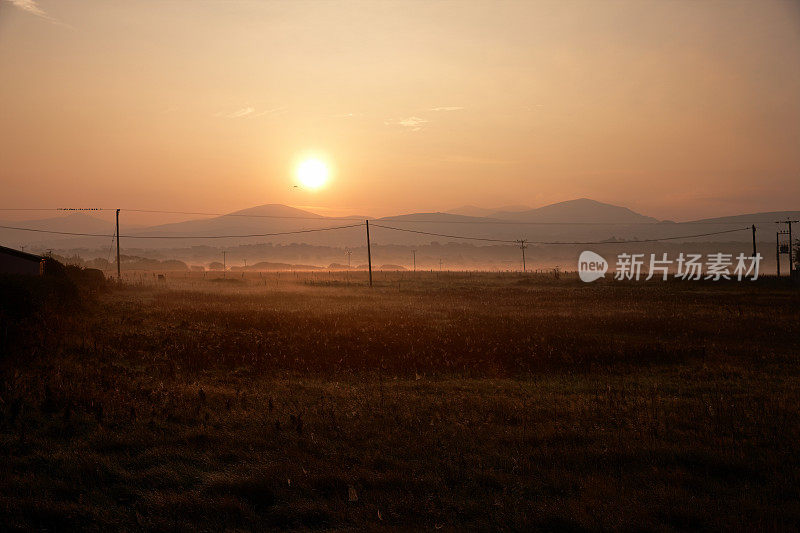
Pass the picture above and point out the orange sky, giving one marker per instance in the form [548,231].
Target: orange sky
[676,109]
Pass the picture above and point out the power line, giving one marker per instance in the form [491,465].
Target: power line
[421,221]
[198,213]
[389,219]
[442,234]
[296,232]
[516,241]
[54,209]
[59,232]
[652,240]
[238,236]
[183,236]
[531,223]
[294,217]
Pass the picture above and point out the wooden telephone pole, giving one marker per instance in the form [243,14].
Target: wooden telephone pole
[523,245]
[789,251]
[779,252]
[369,255]
[349,252]
[119,274]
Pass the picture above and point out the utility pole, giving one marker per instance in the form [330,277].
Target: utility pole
[778,251]
[791,263]
[224,268]
[414,256]
[754,240]
[119,274]
[790,252]
[369,255]
[523,245]
[349,252]
[783,249]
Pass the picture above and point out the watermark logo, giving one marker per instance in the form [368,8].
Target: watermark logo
[591,266]
[714,267]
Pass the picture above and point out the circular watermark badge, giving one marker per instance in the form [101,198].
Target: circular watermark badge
[591,266]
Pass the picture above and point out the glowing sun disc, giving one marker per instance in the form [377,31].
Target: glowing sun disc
[312,173]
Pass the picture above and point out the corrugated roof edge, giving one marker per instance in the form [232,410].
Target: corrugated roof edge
[18,253]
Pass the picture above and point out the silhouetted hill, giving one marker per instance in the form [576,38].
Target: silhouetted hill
[278,224]
[769,217]
[269,218]
[474,211]
[580,210]
[436,218]
[274,210]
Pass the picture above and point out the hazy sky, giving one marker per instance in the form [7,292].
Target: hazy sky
[676,109]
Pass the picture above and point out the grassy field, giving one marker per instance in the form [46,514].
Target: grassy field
[432,401]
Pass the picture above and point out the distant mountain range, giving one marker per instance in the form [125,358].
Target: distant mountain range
[575,220]
[581,210]
[473,211]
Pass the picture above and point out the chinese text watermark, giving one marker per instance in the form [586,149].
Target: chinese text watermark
[715,267]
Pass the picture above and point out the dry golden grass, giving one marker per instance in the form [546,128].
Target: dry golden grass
[467,401]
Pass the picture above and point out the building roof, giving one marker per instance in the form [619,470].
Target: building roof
[17,253]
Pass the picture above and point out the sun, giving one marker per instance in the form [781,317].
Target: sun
[312,173]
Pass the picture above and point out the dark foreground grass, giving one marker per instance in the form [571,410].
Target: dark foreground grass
[499,405]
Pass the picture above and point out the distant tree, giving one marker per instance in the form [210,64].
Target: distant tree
[99,262]
[173,264]
[216,265]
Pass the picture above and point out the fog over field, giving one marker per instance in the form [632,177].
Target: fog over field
[441,265]
[461,242]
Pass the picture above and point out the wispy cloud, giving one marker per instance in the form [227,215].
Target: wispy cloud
[249,112]
[411,123]
[276,111]
[243,112]
[446,108]
[32,7]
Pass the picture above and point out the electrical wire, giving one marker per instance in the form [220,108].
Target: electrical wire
[237,236]
[417,221]
[291,217]
[182,236]
[296,232]
[531,223]
[561,242]
[650,240]
[389,219]
[111,246]
[441,234]
[58,232]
